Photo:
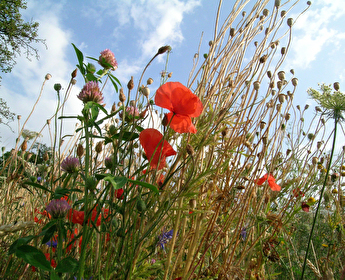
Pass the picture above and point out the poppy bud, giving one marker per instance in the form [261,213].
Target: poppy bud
[48,76]
[269,74]
[290,22]
[164,49]
[294,81]
[122,96]
[165,121]
[281,98]
[192,203]
[57,87]
[283,50]
[145,91]
[283,13]
[314,160]
[24,145]
[74,73]
[74,81]
[277,3]
[262,125]
[281,75]
[141,206]
[287,116]
[336,86]
[265,12]
[48,122]
[130,84]
[256,85]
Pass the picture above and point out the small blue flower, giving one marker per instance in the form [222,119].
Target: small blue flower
[164,238]
[244,233]
[52,244]
[39,179]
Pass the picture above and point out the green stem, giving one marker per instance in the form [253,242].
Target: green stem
[321,195]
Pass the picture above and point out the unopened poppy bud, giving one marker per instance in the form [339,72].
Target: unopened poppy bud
[130,84]
[263,58]
[190,150]
[292,71]
[170,75]
[164,49]
[283,13]
[48,76]
[74,73]
[24,145]
[145,91]
[122,96]
[318,109]
[288,151]
[278,107]
[269,74]
[256,85]
[46,156]
[308,3]
[336,86]
[80,150]
[232,32]
[99,147]
[48,122]
[319,144]
[306,107]
[294,82]
[165,121]
[224,132]
[57,87]
[149,81]
[281,98]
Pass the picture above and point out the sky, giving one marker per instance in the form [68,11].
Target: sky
[134,30]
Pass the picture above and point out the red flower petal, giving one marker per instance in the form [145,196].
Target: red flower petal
[261,180]
[305,207]
[181,102]
[271,182]
[156,151]
[76,217]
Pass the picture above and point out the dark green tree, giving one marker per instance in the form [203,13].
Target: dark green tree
[16,35]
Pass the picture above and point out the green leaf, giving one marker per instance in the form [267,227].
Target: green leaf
[117,181]
[116,79]
[49,234]
[80,57]
[126,136]
[36,186]
[54,276]
[34,257]
[91,77]
[144,184]
[67,265]
[114,83]
[19,242]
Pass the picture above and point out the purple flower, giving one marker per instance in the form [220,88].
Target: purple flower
[164,238]
[107,60]
[52,244]
[91,92]
[58,208]
[39,179]
[70,164]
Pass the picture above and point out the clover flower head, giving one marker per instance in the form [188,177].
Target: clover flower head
[107,60]
[91,92]
[70,164]
[332,102]
[58,208]
[164,238]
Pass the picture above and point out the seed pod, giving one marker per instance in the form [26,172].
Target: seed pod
[319,144]
[265,12]
[271,85]
[24,145]
[264,140]
[130,84]
[290,22]
[279,85]
[281,98]
[74,81]
[314,160]
[294,82]
[292,71]
[288,151]
[99,147]
[278,107]
[273,92]
[283,13]
[269,74]
[122,96]
[149,81]
[263,58]
[48,76]
[287,116]
[141,206]
[256,85]
[80,150]
[262,124]
[232,32]
[308,3]
[336,86]
[281,75]
[74,73]
[145,91]
[277,3]
[57,87]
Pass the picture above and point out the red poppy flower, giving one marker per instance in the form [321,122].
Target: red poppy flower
[119,193]
[156,151]
[182,104]
[271,182]
[305,207]
[76,217]
[52,262]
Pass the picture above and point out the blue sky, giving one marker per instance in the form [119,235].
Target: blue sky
[135,29]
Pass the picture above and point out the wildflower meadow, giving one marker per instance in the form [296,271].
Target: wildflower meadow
[223,177]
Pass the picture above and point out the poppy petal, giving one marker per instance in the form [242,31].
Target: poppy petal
[261,180]
[181,123]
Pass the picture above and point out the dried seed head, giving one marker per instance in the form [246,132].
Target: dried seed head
[294,82]
[74,73]
[271,85]
[279,85]
[283,13]
[192,203]
[278,107]
[232,32]
[164,49]
[314,160]
[80,150]
[46,156]
[287,116]
[277,3]
[130,84]
[265,12]
[318,109]
[264,140]
[190,150]
[149,81]
[256,43]
[113,108]
[309,3]
[336,86]
[244,13]
[210,43]
[170,74]
[24,145]
[262,124]
[292,71]
[281,98]
[48,76]
[269,74]
[122,96]
[319,144]
[306,107]
[290,22]
[74,81]
[99,147]
[145,91]
[263,58]
[273,92]
[288,151]
[256,85]
[281,75]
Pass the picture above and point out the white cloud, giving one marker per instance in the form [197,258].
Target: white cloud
[315,30]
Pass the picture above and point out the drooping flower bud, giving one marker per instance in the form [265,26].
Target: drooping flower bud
[130,84]
[74,73]
[80,150]
[164,49]
[122,96]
